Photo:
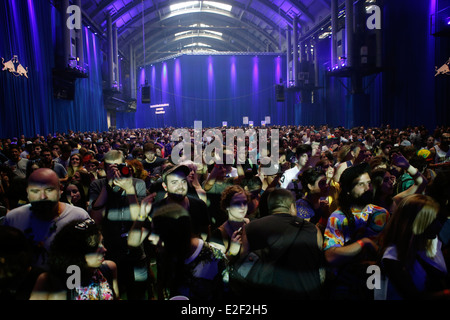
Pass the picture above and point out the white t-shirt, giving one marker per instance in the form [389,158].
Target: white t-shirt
[441,155]
[288,176]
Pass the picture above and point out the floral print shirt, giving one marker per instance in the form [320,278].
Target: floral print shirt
[98,289]
[371,219]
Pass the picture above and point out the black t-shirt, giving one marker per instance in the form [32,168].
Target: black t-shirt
[297,270]
[197,210]
[150,166]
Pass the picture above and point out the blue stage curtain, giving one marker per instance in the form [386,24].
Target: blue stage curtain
[410,58]
[212,89]
[27,106]
[86,111]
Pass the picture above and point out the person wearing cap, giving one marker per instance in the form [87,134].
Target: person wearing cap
[176,186]
[114,203]
[351,232]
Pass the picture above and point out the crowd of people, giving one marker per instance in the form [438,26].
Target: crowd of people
[111,215]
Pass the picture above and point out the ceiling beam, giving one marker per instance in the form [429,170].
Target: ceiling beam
[156,23]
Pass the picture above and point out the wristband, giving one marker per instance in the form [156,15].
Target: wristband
[416,174]
[361,243]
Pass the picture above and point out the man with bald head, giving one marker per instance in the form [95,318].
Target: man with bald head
[45,215]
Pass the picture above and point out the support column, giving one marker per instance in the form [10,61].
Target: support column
[110,51]
[316,65]
[307,49]
[132,73]
[295,52]
[288,57]
[66,33]
[80,42]
[349,30]
[334,22]
[116,56]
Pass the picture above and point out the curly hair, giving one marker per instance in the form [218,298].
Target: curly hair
[138,169]
[228,194]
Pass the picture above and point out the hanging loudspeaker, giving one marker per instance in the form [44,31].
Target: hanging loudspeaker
[145,94]
[279,92]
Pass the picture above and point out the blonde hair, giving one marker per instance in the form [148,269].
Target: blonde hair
[114,155]
[423,220]
[342,153]
[406,229]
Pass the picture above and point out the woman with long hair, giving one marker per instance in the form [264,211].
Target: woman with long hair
[410,254]
[78,246]
[75,164]
[75,194]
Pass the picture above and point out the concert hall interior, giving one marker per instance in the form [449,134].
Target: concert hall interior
[88,65]
[225,150]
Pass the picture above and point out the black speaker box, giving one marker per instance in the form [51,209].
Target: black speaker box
[145,94]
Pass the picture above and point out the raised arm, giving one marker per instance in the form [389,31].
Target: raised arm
[138,231]
[420,182]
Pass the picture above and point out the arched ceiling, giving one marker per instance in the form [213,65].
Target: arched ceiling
[165,28]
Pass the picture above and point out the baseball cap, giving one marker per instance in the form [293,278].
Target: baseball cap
[171,169]
[405,143]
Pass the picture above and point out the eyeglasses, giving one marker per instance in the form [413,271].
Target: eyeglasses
[85,224]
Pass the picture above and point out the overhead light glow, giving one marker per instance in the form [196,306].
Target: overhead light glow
[200,25]
[181,33]
[214,32]
[193,4]
[162,105]
[197,44]
[198,33]
[184,5]
[218,5]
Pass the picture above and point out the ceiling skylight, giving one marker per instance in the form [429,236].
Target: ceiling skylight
[197,44]
[218,5]
[194,4]
[184,5]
